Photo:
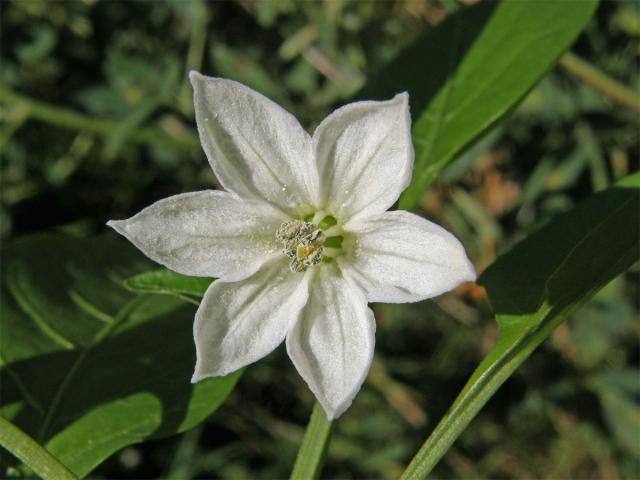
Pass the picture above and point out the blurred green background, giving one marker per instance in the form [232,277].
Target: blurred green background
[96,122]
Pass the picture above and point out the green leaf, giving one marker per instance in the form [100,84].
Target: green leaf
[165,281]
[464,75]
[89,367]
[534,287]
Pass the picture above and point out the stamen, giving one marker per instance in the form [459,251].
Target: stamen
[302,243]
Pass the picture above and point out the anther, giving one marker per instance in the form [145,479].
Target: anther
[302,242]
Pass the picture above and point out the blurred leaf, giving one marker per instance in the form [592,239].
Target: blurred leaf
[569,169]
[576,446]
[595,328]
[296,43]
[460,167]
[617,390]
[626,380]
[551,101]
[232,64]
[131,80]
[43,41]
[627,19]
[536,184]
[102,99]
[468,72]
[167,282]
[87,366]
[301,77]
[534,287]
[267,11]
[145,109]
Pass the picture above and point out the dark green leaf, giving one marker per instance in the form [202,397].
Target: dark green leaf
[89,367]
[167,282]
[468,72]
[534,287]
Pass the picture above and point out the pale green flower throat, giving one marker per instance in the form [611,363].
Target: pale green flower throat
[307,244]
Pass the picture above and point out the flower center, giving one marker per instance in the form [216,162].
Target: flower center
[306,243]
[302,243]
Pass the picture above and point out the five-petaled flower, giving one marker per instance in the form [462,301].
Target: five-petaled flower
[300,240]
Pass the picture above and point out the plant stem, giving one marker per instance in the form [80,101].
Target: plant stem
[314,446]
[479,389]
[599,81]
[65,118]
[27,450]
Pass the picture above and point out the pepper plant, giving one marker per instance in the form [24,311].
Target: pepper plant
[98,346]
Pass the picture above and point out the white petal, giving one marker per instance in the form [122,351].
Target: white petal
[256,148]
[238,323]
[208,233]
[332,343]
[365,156]
[401,257]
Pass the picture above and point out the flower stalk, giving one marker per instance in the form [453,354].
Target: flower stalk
[314,446]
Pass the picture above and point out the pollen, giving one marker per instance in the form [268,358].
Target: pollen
[302,243]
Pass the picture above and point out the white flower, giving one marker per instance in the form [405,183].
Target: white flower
[300,240]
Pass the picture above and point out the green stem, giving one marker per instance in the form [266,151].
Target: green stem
[599,81]
[477,392]
[27,450]
[314,446]
[64,118]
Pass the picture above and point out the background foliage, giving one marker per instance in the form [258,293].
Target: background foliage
[570,411]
